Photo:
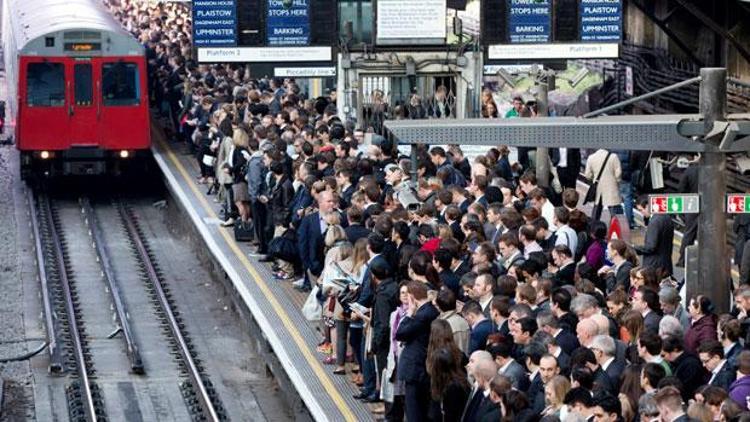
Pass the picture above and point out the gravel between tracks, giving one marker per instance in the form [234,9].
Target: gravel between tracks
[18,403]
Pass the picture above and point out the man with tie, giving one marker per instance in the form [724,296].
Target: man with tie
[711,354]
[482,368]
[310,237]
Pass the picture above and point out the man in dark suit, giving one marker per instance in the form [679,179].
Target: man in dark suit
[646,301]
[534,353]
[442,259]
[711,354]
[355,230]
[568,164]
[516,373]
[414,332]
[481,327]
[686,366]
[310,240]
[657,245]
[565,339]
[566,267]
[482,369]
[619,275]
[604,351]
[602,383]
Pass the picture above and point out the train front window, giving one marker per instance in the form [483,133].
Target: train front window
[45,85]
[84,92]
[120,84]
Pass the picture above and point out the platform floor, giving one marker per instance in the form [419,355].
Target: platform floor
[274,304]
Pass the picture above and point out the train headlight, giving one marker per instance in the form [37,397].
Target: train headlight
[45,155]
[124,153]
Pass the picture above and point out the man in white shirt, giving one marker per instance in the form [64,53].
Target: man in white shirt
[538,200]
[527,236]
[565,234]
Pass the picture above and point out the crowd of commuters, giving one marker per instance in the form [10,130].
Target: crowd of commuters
[471,295]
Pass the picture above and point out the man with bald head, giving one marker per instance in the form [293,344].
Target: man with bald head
[311,235]
[481,368]
[586,331]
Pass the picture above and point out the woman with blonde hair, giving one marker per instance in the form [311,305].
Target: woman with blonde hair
[236,165]
[355,269]
[338,250]
[554,395]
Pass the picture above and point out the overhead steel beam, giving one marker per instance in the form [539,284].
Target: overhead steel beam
[718,29]
[662,24]
[645,133]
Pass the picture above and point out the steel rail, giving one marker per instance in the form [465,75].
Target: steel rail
[121,311]
[204,399]
[50,321]
[87,398]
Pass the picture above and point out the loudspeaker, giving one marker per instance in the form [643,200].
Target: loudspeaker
[457,4]
[494,22]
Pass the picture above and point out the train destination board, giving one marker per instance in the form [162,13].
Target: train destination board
[529,21]
[214,23]
[288,23]
[601,20]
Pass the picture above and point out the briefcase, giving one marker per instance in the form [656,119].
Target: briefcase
[243,232]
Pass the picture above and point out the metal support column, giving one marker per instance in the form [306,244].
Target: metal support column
[414,165]
[542,153]
[713,258]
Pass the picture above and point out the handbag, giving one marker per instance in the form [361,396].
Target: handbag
[209,160]
[312,309]
[591,193]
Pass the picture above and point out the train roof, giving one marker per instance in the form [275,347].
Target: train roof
[32,19]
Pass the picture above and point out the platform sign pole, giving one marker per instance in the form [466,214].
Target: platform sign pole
[542,153]
[713,258]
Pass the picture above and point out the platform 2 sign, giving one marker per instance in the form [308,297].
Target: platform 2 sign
[674,204]
[214,23]
[529,21]
[288,23]
[601,20]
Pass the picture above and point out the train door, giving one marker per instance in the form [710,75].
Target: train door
[43,117]
[83,105]
[124,121]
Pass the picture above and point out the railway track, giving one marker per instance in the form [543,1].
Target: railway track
[93,258]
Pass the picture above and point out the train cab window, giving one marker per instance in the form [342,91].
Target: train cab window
[45,85]
[84,92]
[120,84]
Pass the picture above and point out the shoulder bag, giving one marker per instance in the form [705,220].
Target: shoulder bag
[591,193]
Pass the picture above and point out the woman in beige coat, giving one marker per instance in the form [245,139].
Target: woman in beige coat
[608,190]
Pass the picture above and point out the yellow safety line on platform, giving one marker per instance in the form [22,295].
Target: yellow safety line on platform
[296,336]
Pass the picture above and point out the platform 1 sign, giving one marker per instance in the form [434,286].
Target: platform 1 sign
[214,23]
[675,204]
[529,21]
[738,203]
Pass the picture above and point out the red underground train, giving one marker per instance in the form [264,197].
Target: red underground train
[77,88]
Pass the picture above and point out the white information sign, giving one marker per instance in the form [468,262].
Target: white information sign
[411,19]
[553,51]
[264,54]
[299,72]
